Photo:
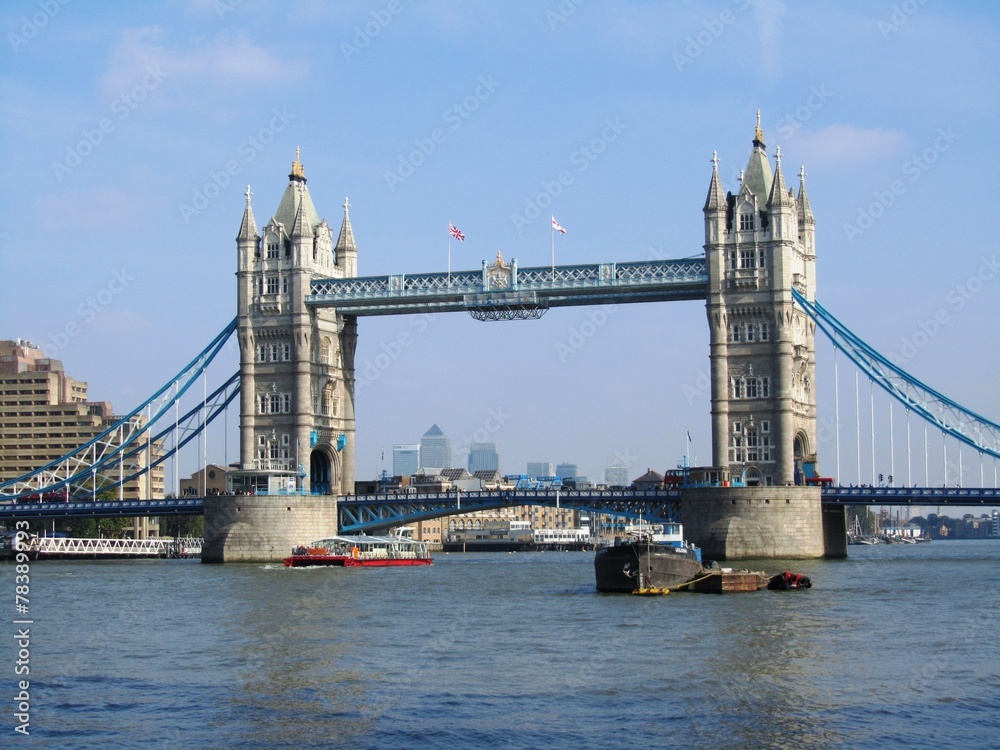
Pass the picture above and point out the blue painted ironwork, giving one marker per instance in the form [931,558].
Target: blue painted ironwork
[124,509]
[541,287]
[359,513]
[367,512]
[96,461]
[911,496]
[946,415]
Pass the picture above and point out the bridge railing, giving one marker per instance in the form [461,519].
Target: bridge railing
[539,278]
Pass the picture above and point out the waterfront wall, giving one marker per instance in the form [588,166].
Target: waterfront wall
[264,528]
[737,523]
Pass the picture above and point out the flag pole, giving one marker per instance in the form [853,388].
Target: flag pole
[449,254]
[552,231]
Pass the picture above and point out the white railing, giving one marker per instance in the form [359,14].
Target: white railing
[165,547]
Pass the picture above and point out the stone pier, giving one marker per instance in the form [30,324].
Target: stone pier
[739,523]
[264,528]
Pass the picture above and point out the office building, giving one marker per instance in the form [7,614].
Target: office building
[405,460]
[616,476]
[435,449]
[483,457]
[540,469]
[45,414]
[566,471]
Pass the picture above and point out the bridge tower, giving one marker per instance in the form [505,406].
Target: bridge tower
[759,245]
[296,363]
[297,384]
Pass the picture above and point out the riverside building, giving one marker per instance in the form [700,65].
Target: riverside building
[45,414]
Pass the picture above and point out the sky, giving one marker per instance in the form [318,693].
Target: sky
[131,130]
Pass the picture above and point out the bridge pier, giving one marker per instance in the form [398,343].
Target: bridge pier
[744,523]
[264,528]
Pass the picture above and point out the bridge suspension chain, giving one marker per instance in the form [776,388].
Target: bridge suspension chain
[950,417]
[98,464]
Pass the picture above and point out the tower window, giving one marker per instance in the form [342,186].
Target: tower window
[272,250]
[748,258]
[746,222]
[765,332]
[272,284]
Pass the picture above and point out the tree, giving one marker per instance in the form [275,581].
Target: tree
[177,526]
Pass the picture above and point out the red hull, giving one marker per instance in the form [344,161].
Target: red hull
[343,561]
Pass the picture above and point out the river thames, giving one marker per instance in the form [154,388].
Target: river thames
[894,647]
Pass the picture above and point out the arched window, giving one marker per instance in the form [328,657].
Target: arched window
[325,351]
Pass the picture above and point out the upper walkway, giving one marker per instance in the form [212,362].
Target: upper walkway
[499,287]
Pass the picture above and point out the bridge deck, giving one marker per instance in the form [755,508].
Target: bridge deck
[358,512]
[510,286]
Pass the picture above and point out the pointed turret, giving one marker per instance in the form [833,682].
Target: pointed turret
[296,196]
[805,210]
[780,195]
[248,229]
[716,199]
[715,205]
[757,176]
[346,250]
[301,227]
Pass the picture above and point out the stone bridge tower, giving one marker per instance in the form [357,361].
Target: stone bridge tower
[296,362]
[759,245]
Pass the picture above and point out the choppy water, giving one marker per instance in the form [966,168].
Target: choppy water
[895,647]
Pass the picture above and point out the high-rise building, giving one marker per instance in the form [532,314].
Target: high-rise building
[405,460]
[45,414]
[483,457]
[435,449]
[566,471]
[616,476]
[540,469]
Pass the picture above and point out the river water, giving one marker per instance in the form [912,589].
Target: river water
[895,647]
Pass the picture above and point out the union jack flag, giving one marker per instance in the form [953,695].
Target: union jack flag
[456,233]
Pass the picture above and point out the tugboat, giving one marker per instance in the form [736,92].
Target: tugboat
[649,556]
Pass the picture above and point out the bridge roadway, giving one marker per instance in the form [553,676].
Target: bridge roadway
[370,512]
[496,288]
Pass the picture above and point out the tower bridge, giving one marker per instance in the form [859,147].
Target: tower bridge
[299,298]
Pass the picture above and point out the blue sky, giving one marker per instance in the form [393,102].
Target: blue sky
[116,117]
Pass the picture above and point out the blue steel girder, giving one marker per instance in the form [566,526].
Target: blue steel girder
[542,287]
[101,509]
[911,496]
[373,512]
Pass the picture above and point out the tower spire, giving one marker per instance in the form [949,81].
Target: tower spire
[805,210]
[298,173]
[346,250]
[780,195]
[248,229]
[716,198]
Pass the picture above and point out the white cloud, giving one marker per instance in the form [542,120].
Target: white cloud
[847,144]
[230,60]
